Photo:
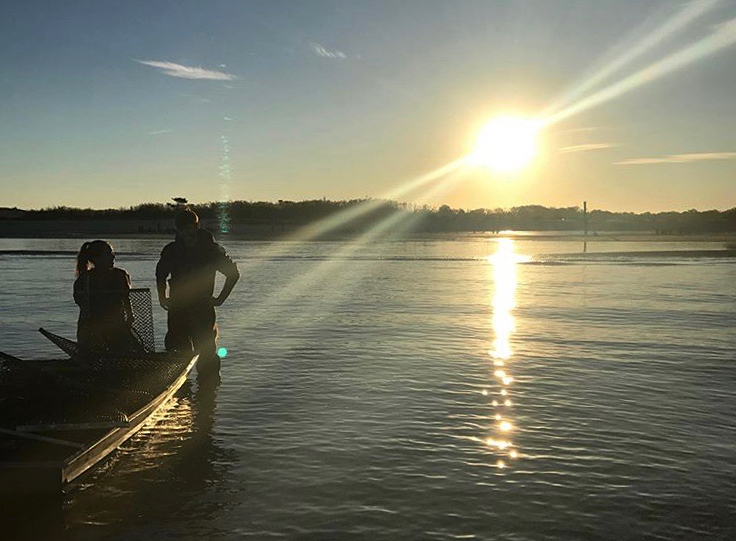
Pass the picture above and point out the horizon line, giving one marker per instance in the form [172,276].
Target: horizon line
[358,200]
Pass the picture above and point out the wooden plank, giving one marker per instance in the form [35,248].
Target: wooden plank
[45,439]
[67,346]
[73,426]
[29,464]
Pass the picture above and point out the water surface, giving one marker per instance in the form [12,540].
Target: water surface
[466,387]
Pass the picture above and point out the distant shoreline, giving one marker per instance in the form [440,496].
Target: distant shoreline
[154,229]
[344,219]
[132,229]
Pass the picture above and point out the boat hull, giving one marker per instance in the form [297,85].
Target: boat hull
[39,456]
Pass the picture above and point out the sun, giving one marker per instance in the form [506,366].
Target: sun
[507,144]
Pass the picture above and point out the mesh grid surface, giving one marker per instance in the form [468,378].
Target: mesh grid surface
[107,385]
[140,301]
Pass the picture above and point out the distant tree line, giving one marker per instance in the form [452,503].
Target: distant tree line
[444,218]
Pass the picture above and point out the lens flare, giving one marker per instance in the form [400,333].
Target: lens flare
[687,14]
[723,36]
[226,178]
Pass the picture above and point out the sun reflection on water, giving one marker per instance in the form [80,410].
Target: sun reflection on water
[504,262]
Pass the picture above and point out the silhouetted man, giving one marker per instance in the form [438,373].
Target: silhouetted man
[191,261]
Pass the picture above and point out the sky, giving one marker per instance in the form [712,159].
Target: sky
[107,104]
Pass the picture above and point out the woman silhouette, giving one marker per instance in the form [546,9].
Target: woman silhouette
[102,292]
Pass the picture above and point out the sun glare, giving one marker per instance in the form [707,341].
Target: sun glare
[507,144]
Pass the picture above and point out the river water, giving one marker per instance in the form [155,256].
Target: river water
[463,387]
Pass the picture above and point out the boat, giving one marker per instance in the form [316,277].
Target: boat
[59,418]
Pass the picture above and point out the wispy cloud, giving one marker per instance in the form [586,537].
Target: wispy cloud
[681,158]
[321,50]
[188,72]
[587,147]
[159,132]
[582,130]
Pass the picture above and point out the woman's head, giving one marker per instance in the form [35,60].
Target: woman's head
[97,254]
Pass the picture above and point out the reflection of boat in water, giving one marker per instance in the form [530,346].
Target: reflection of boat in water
[59,418]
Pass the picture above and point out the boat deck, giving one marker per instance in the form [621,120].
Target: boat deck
[58,419]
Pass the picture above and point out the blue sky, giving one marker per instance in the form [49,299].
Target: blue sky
[108,104]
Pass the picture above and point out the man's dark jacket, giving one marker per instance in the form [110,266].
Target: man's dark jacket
[192,270]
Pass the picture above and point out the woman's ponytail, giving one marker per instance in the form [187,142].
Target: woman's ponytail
[82,260]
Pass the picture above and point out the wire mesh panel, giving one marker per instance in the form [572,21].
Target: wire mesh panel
[115,321]
[98,385]
[140,302]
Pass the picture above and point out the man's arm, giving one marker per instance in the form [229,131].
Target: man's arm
[163,269]
[229,268]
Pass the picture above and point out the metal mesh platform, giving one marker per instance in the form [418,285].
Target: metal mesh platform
[140,301]
[140,354]
[97,390]
[140,338]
